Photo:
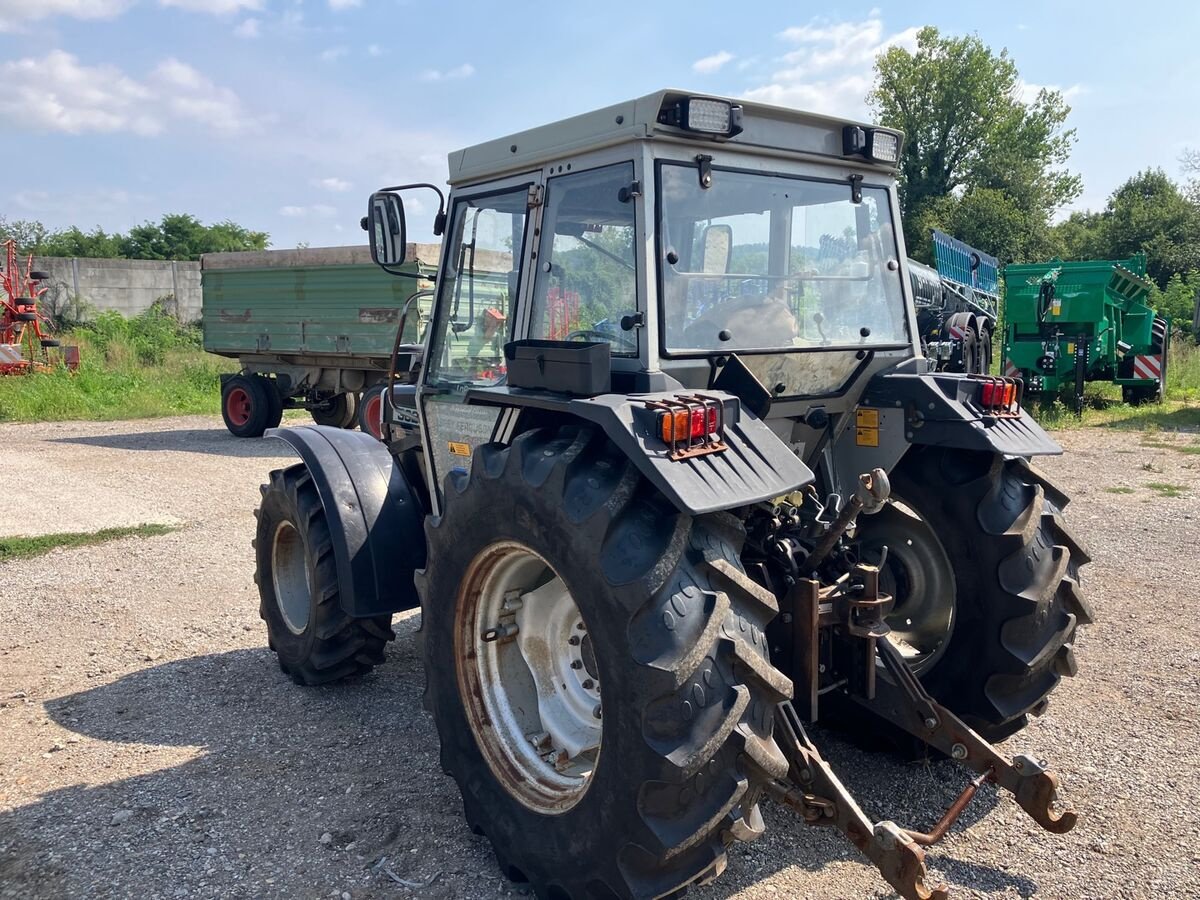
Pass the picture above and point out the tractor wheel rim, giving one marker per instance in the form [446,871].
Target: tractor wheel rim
[289,577]
[919,575]
[237,406]
[528,677]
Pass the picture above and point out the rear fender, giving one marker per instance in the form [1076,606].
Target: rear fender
[375,518]
[755,466]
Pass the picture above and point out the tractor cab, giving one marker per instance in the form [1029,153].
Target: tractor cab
[702,241]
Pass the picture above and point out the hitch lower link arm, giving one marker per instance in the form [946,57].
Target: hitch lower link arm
[816,793]
[903,701]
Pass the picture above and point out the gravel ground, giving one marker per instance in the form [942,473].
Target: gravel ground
[150,747]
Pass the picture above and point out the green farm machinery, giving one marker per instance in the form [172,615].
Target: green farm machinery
[1068,323]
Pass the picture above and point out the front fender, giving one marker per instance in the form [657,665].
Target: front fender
[375,519]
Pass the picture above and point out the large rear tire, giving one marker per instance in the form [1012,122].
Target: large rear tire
[673,631]
[315,640]
[989,532]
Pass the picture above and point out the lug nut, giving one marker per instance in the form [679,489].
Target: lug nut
[931,722]
[588,684]
[573,640]
[596,711]
[576,664]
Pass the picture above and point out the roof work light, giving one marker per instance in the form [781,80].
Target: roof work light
[715,117]
[875,144]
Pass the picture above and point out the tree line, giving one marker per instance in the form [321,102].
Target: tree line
[989,166]
[175,236]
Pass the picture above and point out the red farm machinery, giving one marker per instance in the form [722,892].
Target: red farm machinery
[26,344]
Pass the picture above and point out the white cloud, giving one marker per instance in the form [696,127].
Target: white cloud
[332,54]
[338,5]
[336,185]
[58,93]
[15,12]
[374,50]
[247,29]
[317,210]
[466,70]
[829,69]
[216,7]
[1027,91]
[710,64]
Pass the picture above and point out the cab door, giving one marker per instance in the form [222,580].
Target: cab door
[480,297]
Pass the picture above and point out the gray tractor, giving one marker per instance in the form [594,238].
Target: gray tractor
[674,481]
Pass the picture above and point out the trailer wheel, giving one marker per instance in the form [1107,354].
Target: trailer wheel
[986,535]
[26,316]
[370,411]
[338,411]
[985,352]
[48,343]
[597,668]
[38,275]
[316,642]
[247,405]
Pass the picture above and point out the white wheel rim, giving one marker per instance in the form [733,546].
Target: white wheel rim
[289,577]
[528,678]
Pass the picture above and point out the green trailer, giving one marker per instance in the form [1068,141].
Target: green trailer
[311,329]
[1068,323]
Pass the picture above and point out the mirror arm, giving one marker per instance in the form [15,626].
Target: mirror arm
[439,221]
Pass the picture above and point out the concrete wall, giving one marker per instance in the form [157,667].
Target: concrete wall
[129,286]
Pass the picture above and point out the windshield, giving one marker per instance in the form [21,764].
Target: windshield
[770,262]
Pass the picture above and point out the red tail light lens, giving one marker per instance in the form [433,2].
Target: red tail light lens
[999,395]
[688,424]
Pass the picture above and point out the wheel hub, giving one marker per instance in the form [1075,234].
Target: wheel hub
[289,577]
[529,677]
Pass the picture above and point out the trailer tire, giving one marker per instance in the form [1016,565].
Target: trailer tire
[338,411]
[315,640]
[247,405]
[26,316]
[676,635]
[38,275]
[984,366]
[1015,569]
[49,343]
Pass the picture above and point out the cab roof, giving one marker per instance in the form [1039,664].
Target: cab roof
[773,129]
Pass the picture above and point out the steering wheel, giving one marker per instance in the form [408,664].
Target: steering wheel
[624,341]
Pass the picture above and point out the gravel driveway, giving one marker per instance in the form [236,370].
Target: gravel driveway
[150,747]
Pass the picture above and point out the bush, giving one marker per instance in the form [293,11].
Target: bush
[148,336]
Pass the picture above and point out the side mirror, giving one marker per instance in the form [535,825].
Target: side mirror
[385,221]
[717,249]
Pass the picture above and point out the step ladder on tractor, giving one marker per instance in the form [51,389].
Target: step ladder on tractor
[26,344]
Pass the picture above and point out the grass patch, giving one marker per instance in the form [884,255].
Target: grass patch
[1119,489]
[1167,490]
[25,547]
[142,367]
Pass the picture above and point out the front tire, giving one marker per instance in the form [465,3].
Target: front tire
[1013,574]
[315,640]
[675,631]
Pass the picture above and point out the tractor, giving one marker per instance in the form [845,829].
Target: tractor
[684,487]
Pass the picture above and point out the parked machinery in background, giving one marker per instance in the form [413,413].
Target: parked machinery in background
[1068,323]
[25,341]
[956,305]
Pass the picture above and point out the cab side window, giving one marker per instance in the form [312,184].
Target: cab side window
[478,291]
[586,269]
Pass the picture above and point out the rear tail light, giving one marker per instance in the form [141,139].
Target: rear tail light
[998,396]
[690,425]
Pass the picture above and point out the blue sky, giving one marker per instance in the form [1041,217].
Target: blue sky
[283,114]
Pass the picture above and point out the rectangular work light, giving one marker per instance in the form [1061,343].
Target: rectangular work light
[875,144]
[700,114]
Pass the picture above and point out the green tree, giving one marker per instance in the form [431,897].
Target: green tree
[967,132]
[74,242]
[28,234]
[1178,298]
[1150,214]
[181,236]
